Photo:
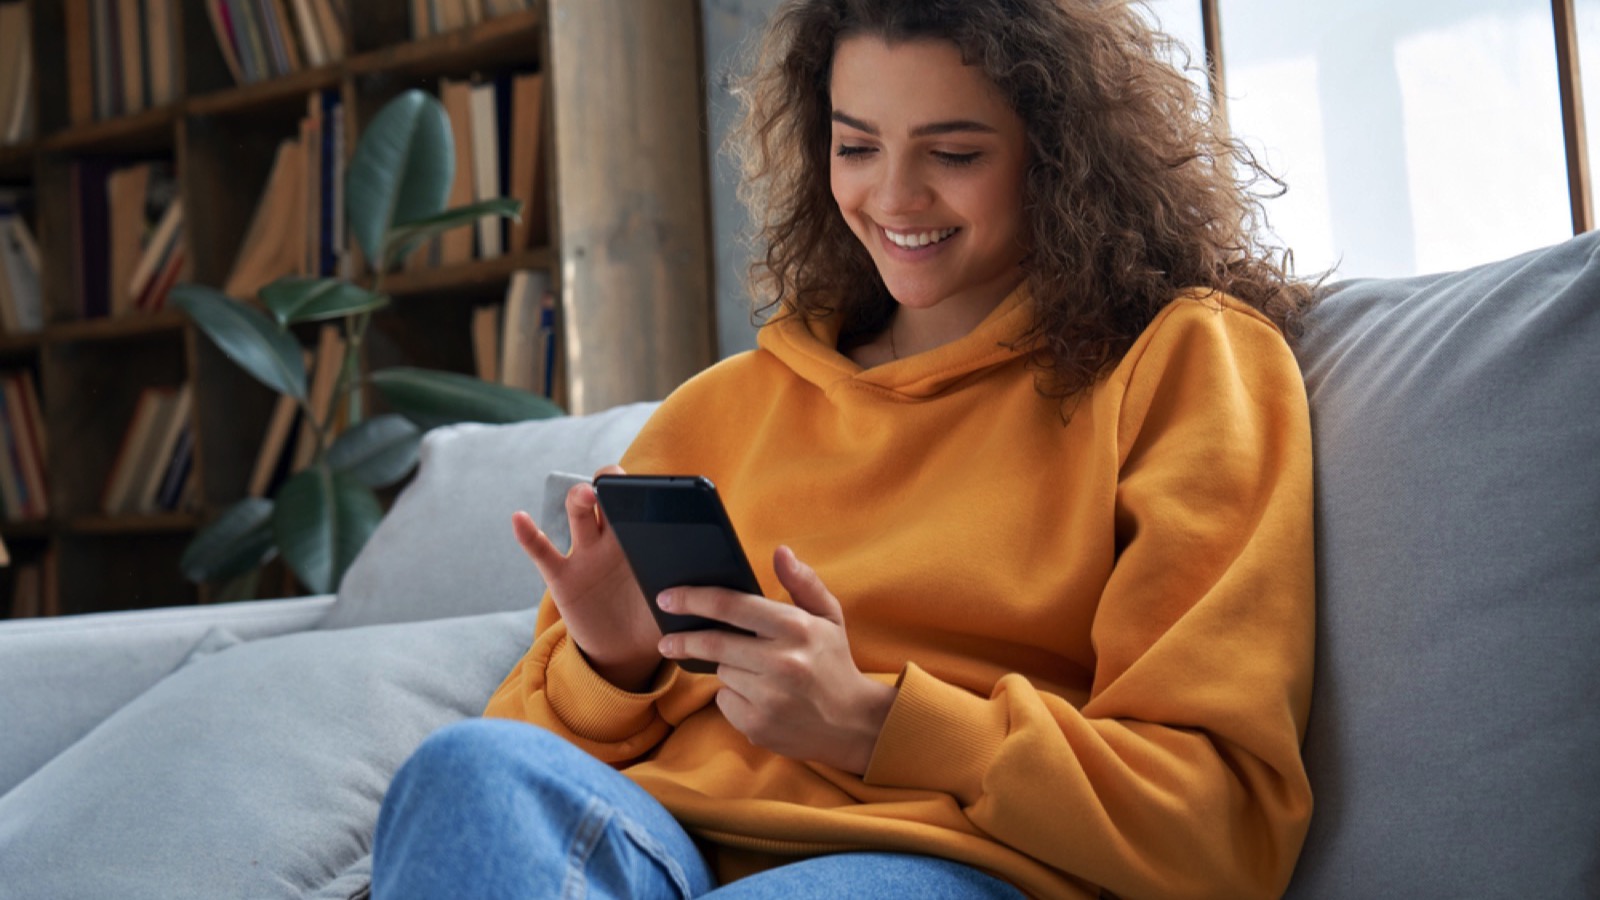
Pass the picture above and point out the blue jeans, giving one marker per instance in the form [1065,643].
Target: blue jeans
[494,809]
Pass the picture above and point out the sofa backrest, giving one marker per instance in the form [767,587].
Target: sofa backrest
[1454,742]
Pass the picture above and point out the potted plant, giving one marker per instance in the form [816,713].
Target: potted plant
[320,517]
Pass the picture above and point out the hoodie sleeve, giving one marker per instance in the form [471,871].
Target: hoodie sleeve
[1181,775]
[554,686]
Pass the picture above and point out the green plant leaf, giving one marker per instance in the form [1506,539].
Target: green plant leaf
[401,170]
[296,299]
[247,336]
[405,236]
[321,520]
[431,398]
[378,452]
[237,541]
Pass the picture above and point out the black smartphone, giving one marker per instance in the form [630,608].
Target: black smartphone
[675,532]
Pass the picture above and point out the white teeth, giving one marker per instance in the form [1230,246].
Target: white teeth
[918,239]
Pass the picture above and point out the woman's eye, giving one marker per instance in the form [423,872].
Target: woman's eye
[852,150]
[956,159]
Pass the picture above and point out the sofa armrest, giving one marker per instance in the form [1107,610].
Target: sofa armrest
[59,677]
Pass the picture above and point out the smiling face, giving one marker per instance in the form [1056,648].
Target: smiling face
[928,168]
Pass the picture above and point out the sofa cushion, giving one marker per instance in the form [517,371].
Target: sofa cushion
[1456,718]
[62,675]
[256,771]
[446,548]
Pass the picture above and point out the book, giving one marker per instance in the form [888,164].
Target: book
[421,19]
[107,58]
[21,294]
[273,243]
[486,166]
[28,454]
[305,19]
[126,190]
[324,383]
[527,111]
[32,419]
[279,430]
[180,471]
[135,449]
[14,502]
[247,38]
[16,67]
[311,187]
[158,247]
[549,359]
[160,52]
[174,268]
[80,60]
[455,246]
[130,74]
[174,422]
[331,28]
[217,11]
[486,342]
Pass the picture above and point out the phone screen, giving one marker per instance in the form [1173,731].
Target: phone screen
[674,531]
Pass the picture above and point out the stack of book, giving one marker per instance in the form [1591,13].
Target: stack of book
[262,39]
[515,343]
[16,75]
[298,227]
[496,126]
[121,56]
[127,236]
[430,17]
[21,300]
[22,449]
[153,468]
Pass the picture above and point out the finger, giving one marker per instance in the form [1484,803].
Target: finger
[748,611]
[726,649]
[805,587]
[582,520]
[536,544]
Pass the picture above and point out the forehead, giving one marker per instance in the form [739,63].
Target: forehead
[910,82]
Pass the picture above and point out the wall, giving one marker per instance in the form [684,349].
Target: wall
[728,26]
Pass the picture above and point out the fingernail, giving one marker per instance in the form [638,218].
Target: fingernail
[667,600]
[665,647]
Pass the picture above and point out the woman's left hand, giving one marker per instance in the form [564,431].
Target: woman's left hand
[793,687]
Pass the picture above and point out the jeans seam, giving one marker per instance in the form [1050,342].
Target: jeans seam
[584,839]
[590,831]
[658,852]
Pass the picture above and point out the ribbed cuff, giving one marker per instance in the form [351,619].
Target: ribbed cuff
[594,708]
[938,737]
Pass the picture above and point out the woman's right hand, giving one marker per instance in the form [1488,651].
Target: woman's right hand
[593,588]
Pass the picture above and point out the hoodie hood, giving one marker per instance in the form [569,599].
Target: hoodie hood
[810,349]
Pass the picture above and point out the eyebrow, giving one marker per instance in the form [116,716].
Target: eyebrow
[931,129]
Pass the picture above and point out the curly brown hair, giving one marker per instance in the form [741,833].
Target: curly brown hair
[1134,190]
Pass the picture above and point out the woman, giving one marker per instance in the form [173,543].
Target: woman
[1030,459]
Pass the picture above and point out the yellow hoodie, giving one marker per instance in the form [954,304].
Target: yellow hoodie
[1101,629]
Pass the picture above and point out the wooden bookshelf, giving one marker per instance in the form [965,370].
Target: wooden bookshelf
[625,207]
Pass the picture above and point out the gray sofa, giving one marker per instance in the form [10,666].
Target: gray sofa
[242,750]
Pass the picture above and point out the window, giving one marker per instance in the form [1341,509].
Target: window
[1413,136]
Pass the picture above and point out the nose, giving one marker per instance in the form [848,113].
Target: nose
[902,189]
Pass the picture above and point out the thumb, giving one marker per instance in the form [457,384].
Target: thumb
[804,587]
